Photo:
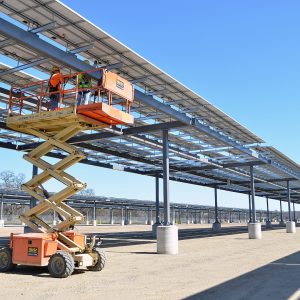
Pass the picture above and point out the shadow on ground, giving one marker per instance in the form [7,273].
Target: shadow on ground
[277,281]
[119,239]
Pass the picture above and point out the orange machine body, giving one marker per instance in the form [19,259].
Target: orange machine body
[35,249]
[105,113]
[76,237]
[118,85]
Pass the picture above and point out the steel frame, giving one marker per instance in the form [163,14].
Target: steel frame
[205,148]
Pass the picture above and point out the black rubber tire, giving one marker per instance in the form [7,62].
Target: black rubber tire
[61,264]
[101,261]
[6,263]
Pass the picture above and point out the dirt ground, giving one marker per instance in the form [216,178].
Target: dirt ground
[225,266]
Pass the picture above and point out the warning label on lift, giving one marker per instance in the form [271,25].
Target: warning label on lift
[120,84]
[33,251]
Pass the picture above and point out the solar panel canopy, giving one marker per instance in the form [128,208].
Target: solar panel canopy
[207,147]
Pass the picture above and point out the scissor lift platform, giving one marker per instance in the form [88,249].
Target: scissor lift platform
[56,245]
[91,116]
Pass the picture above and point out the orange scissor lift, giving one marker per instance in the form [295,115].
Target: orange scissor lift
[58,247]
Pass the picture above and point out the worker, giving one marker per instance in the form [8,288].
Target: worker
[55,81]
[84,82]
[98,73]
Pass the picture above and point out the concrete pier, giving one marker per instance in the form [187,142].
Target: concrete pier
[254,230]
[290,227]
[167,240]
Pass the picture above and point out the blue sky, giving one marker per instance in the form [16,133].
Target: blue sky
[242,56]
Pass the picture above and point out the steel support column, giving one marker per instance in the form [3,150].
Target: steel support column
[281,215]
[1,208]
[268,212]
[289,199]
[293,210]
[166,177]
[122,216]
[216,205]
[111,216]
[157,200]
[252,195]
[250,214]
[94,211]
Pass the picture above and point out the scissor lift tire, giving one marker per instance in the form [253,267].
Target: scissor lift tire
[61,264]
[6,263]
[100,262]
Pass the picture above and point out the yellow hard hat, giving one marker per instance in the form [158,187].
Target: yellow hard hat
[87,61]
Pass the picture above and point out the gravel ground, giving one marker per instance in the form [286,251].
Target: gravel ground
[209,267]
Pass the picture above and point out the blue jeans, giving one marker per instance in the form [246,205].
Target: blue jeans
[54,99]
[83,97]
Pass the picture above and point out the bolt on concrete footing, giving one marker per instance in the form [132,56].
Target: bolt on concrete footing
[290,227]
[216,227]
[254,230]
[167,239]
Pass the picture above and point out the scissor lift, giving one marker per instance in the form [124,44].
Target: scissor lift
[58,247]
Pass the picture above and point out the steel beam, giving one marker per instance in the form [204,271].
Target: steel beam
[23,67]
[32,41]
[117,133]
[166,177]
[81,49]
[139,80]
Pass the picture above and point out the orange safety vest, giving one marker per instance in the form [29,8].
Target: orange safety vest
[55,81]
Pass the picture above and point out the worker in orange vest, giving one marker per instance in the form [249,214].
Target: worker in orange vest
[55,81]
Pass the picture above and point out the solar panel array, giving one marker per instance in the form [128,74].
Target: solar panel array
[217,152]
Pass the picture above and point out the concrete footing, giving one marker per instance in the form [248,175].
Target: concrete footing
[268,224]
[167,239]
[216,227]
[94,222]
[281,224]
[54,223]
[290,227]
[1,223]
[122,223]
[254,230]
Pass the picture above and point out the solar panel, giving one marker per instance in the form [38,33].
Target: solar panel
[196,157]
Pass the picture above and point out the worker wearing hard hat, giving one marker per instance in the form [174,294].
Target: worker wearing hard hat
[55,82]
[84,82]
